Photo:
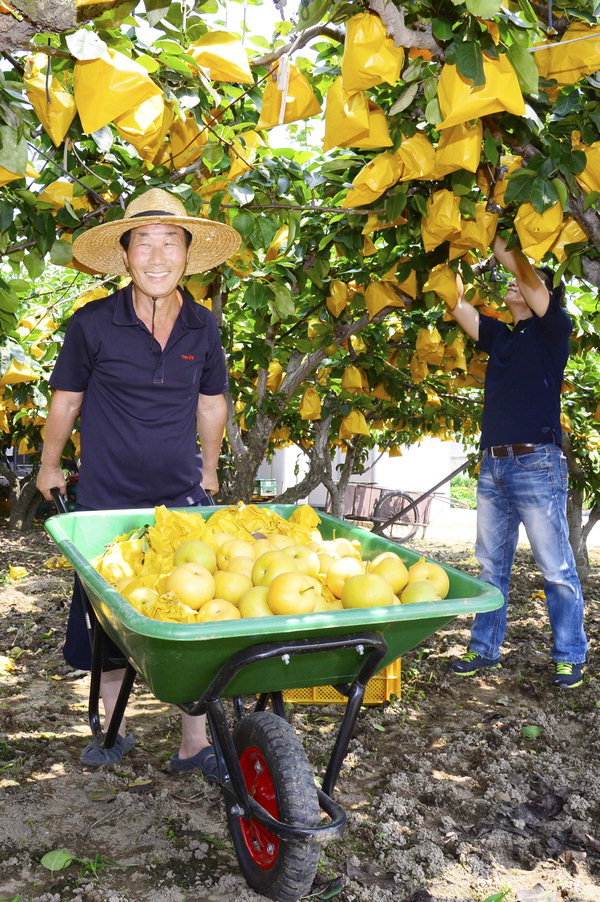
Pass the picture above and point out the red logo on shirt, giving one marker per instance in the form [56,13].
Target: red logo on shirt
[187,357]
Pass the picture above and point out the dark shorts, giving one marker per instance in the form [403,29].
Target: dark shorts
[77,649]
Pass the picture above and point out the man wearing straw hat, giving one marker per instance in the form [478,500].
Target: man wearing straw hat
[145,371]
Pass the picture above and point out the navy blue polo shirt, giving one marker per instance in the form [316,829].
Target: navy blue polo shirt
[138,419]
[524,377]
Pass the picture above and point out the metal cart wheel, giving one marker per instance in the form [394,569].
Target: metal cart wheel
[402,529]
[278,776]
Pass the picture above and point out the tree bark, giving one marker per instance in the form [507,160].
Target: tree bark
[24,501]
[577,535]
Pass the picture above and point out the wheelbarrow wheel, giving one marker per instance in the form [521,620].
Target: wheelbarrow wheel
[279,777]
[404,528]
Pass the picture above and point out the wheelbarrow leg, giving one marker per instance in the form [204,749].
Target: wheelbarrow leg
[106,740]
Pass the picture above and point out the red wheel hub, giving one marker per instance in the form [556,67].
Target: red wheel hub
[262,845]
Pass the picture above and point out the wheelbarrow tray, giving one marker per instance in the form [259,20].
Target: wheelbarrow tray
[179,660]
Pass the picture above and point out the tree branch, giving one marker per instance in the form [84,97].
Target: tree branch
[393,19]
[301,40]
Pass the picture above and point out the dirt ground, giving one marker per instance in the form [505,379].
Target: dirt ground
[450,798]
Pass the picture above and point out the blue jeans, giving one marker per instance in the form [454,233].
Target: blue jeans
[529,489]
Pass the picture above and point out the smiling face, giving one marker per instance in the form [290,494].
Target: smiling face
[156,258]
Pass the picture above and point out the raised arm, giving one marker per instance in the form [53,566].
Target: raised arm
[211,417]
[464,313]
[533,290]
[63,412]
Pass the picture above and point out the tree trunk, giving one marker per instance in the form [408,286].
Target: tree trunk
[24,501]
[319,462]
[577,537]
[337,490]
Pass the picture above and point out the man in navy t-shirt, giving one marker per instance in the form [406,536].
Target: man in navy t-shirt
[523,475]
[145,371]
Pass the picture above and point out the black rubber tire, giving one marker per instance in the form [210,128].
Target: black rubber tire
[389,504]
[287,872]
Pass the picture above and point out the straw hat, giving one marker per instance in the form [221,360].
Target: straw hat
[212,242]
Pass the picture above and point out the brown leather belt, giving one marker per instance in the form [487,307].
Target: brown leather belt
[506,450]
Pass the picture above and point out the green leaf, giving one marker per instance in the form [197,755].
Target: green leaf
[283,304]
[312,12]
[149,63]
[531,731]
[462,182]
[58,859]
[6,216]
[490,146]
[156,10]
[13,151]
[433,114]
[85,44]
[519,186]
[442,30]
[256,295]
[485,9]
[543,194]
[61,252]
[9,301]
[469,61]
[244,223]
[405,99]
[527,72]
[561,190]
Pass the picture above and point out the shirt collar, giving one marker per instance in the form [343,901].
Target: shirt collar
[125,315]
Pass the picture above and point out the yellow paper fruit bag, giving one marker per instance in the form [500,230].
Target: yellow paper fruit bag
[429,346]
[16,372]
[185,140]
[538,231]
[310,405]
[353,424]
[125,85]
[337,299]
[145,126]
[379,295]
[442,222]
[570,233]
[442,280]
[461,101]
[378,134]
[589,177]
[459,147]
[475,234]
[370,56]
[570,59]
[418,369]
[346,116]
[275,376]
[417,155]
[355,380]
[374,178]
[300,101]
[54,106]
[223,55]
[243,153]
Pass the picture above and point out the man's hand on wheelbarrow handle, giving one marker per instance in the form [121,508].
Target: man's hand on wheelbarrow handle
[59,500]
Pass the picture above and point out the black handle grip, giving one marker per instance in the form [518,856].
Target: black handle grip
[59,500]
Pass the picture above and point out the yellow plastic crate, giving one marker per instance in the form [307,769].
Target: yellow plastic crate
[379,689]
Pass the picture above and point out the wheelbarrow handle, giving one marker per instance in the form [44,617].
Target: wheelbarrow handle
[59,500]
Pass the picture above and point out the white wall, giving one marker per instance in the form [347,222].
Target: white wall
[421,466]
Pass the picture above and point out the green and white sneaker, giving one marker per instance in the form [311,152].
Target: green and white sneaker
[568,676]
[472,663]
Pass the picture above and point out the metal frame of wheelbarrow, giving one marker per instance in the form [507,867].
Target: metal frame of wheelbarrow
[371,646]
